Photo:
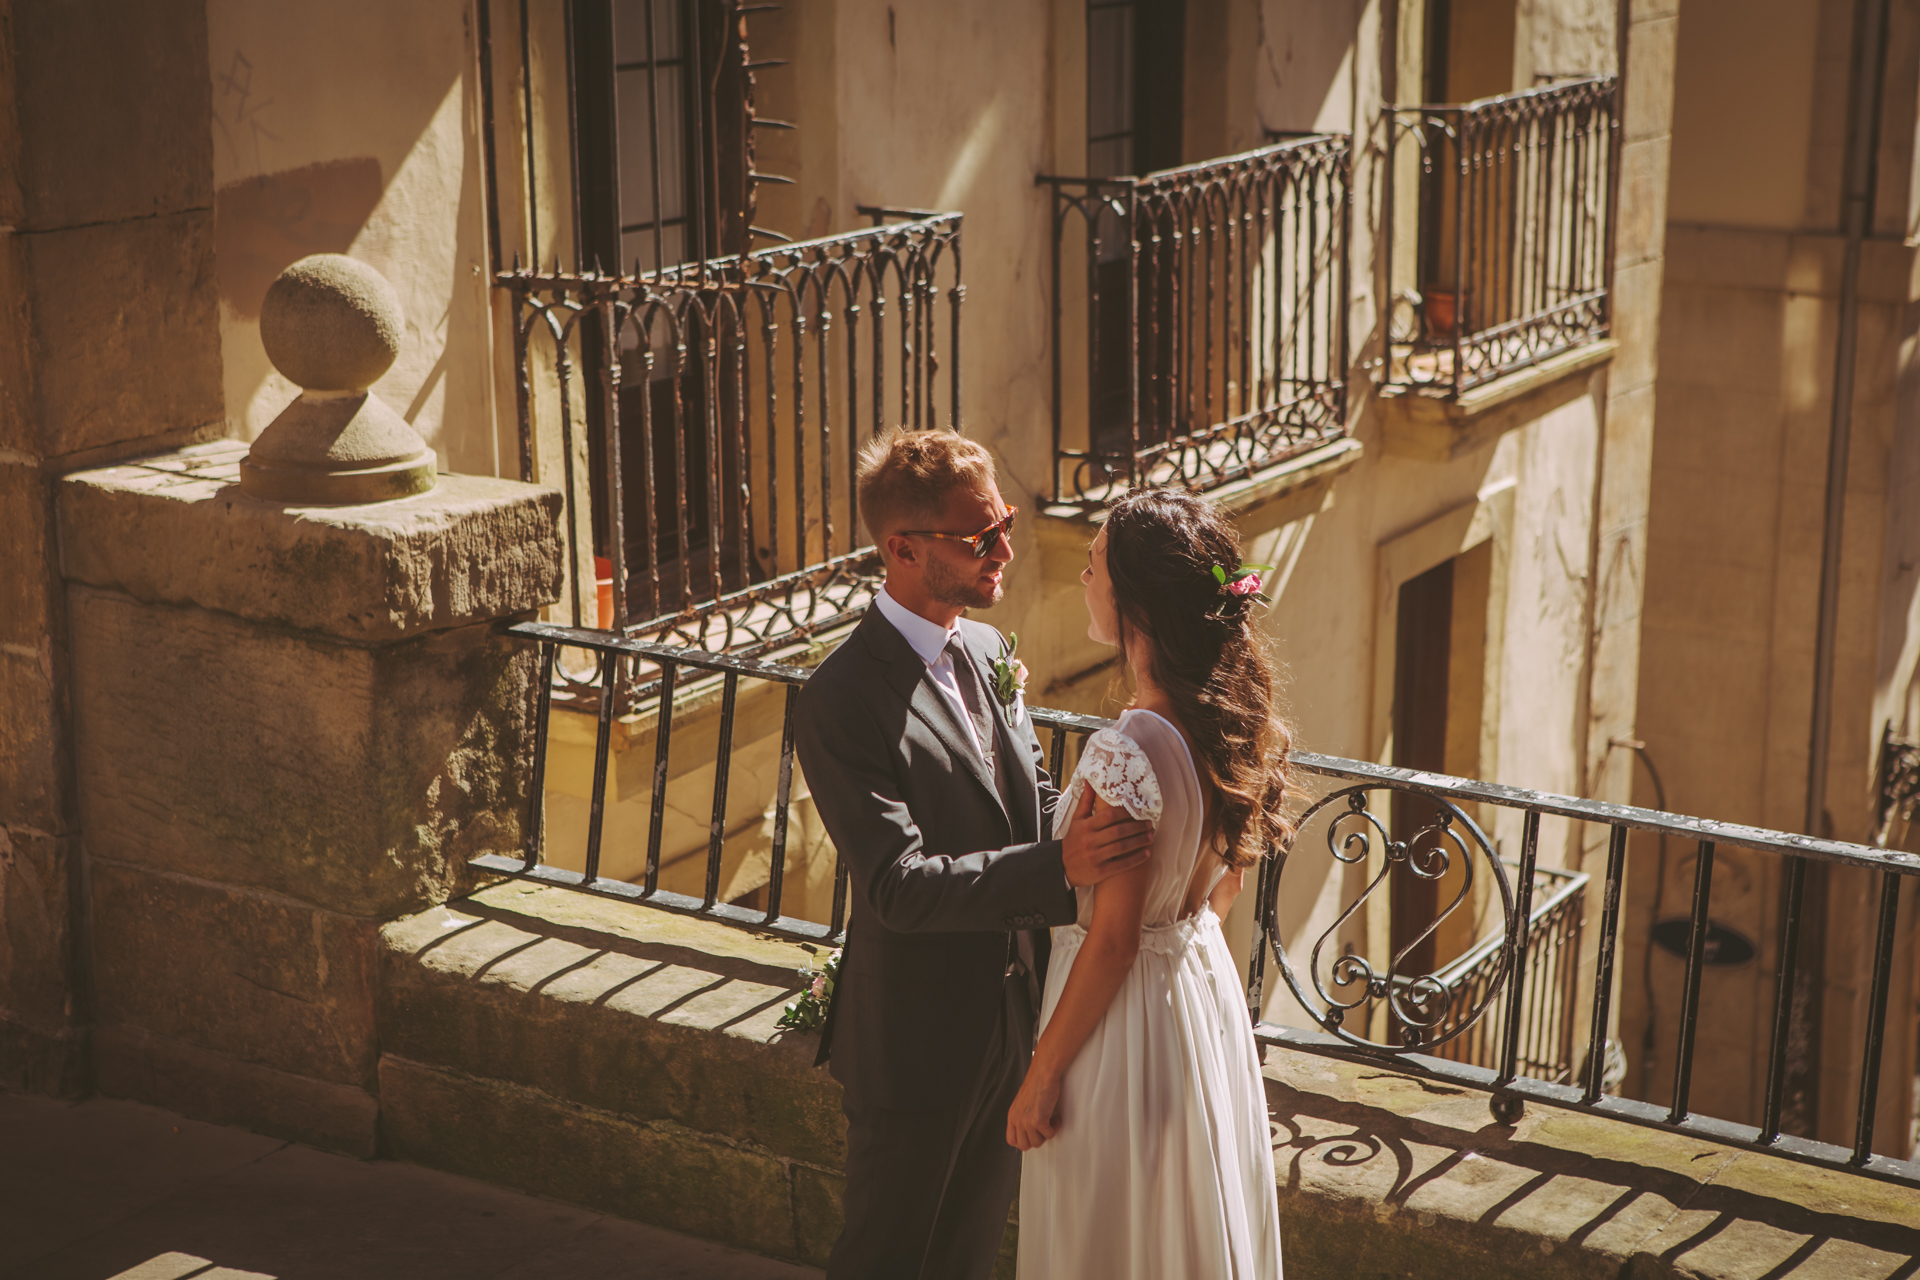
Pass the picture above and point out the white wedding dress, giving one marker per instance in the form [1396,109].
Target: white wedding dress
[1163,1165]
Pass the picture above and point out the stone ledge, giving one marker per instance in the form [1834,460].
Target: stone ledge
[1384,1174]
[198,1082]
[470,550]
[624,1058]
[613,1006]
[1434,427]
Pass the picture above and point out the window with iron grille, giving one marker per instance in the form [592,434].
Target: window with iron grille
[1206,300]
[702,401]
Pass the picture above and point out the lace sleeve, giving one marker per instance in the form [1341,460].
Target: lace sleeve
[1118,770]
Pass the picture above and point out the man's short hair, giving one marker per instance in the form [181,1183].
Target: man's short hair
[906,475]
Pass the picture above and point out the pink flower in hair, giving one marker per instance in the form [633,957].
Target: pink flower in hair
[1244,586]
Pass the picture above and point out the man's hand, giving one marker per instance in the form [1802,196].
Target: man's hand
[1102,841]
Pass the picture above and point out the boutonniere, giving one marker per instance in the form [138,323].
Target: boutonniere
[808,1012]
[1010,681]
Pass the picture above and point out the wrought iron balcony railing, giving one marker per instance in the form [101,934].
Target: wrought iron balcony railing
[1512,224]
[1214,336]
[1547,1033]
[705,420]
[1364,1004]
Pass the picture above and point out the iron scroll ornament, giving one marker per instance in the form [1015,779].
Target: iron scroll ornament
[1419,1008]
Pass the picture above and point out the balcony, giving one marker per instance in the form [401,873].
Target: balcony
[1206,306]
[704,421]
[1498,219]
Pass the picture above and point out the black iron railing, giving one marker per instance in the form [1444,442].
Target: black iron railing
[1512,219]
[705,421]
[1362,1006]
[1214,336]
[1552,985]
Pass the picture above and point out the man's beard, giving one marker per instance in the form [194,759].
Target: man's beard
[951,588]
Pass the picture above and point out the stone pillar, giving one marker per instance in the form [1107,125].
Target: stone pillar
[293,724]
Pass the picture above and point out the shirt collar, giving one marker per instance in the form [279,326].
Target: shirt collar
[928,639]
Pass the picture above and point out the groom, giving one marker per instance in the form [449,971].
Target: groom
[933,792]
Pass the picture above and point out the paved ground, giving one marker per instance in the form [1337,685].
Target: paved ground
[105,1188]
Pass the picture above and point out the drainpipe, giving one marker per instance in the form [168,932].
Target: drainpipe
[1798,993]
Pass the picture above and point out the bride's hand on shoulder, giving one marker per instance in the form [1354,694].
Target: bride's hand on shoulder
[1035,1114]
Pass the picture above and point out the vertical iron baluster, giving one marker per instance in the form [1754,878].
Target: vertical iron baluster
[1603,968]
[822,336]
[650,313]
[739,427]
[716,455]
[1463,127]
[722,768]
[662,742]
[957,294]
[603,733]
[610,321]
[851,285]
[1257,958]
[563,373]
[782,797]
[795,299]
[1696,961]
[689,308]
[1053,302]
[1789,962]
[1876,1017]
[839,924]
[542,713]
[770,344]
[1517,951]
[522,395]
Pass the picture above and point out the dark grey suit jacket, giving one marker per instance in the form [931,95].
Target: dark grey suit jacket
[941,870]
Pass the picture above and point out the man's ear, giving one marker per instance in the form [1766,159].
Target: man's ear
[899,549]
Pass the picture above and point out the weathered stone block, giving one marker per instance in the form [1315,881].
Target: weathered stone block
[356,779]
[35,930]
[25,525]
[263,979]
[125,334]
[472,549]
[38,1060]
[817,1216]
[195,1081]
[652,1016]
[658,1173]
[135,142]
[33,760]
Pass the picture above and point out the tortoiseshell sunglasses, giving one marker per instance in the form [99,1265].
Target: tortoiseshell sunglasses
[982,542]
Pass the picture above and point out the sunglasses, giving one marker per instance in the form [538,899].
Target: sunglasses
[982,542]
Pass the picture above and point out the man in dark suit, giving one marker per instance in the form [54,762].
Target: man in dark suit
[933,791]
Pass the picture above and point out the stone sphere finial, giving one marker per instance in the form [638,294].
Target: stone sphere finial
[330,323]
[332,326]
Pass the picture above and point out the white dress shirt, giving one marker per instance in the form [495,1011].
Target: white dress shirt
[929,640]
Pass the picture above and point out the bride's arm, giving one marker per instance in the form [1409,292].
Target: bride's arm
[1113,940]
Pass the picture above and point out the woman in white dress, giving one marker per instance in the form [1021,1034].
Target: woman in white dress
[1143,1117]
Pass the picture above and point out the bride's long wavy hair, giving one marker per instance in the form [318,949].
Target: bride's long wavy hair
[1162,548]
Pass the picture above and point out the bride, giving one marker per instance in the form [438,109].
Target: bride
[1143,1117]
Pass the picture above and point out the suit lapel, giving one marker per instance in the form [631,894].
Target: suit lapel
[911,679]
[1010,745]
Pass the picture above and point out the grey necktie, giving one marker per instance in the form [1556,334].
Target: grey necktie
[974,695]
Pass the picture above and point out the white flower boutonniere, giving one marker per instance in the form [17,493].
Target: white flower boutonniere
[1010,683]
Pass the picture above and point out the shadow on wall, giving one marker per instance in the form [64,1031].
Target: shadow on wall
[264,224]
